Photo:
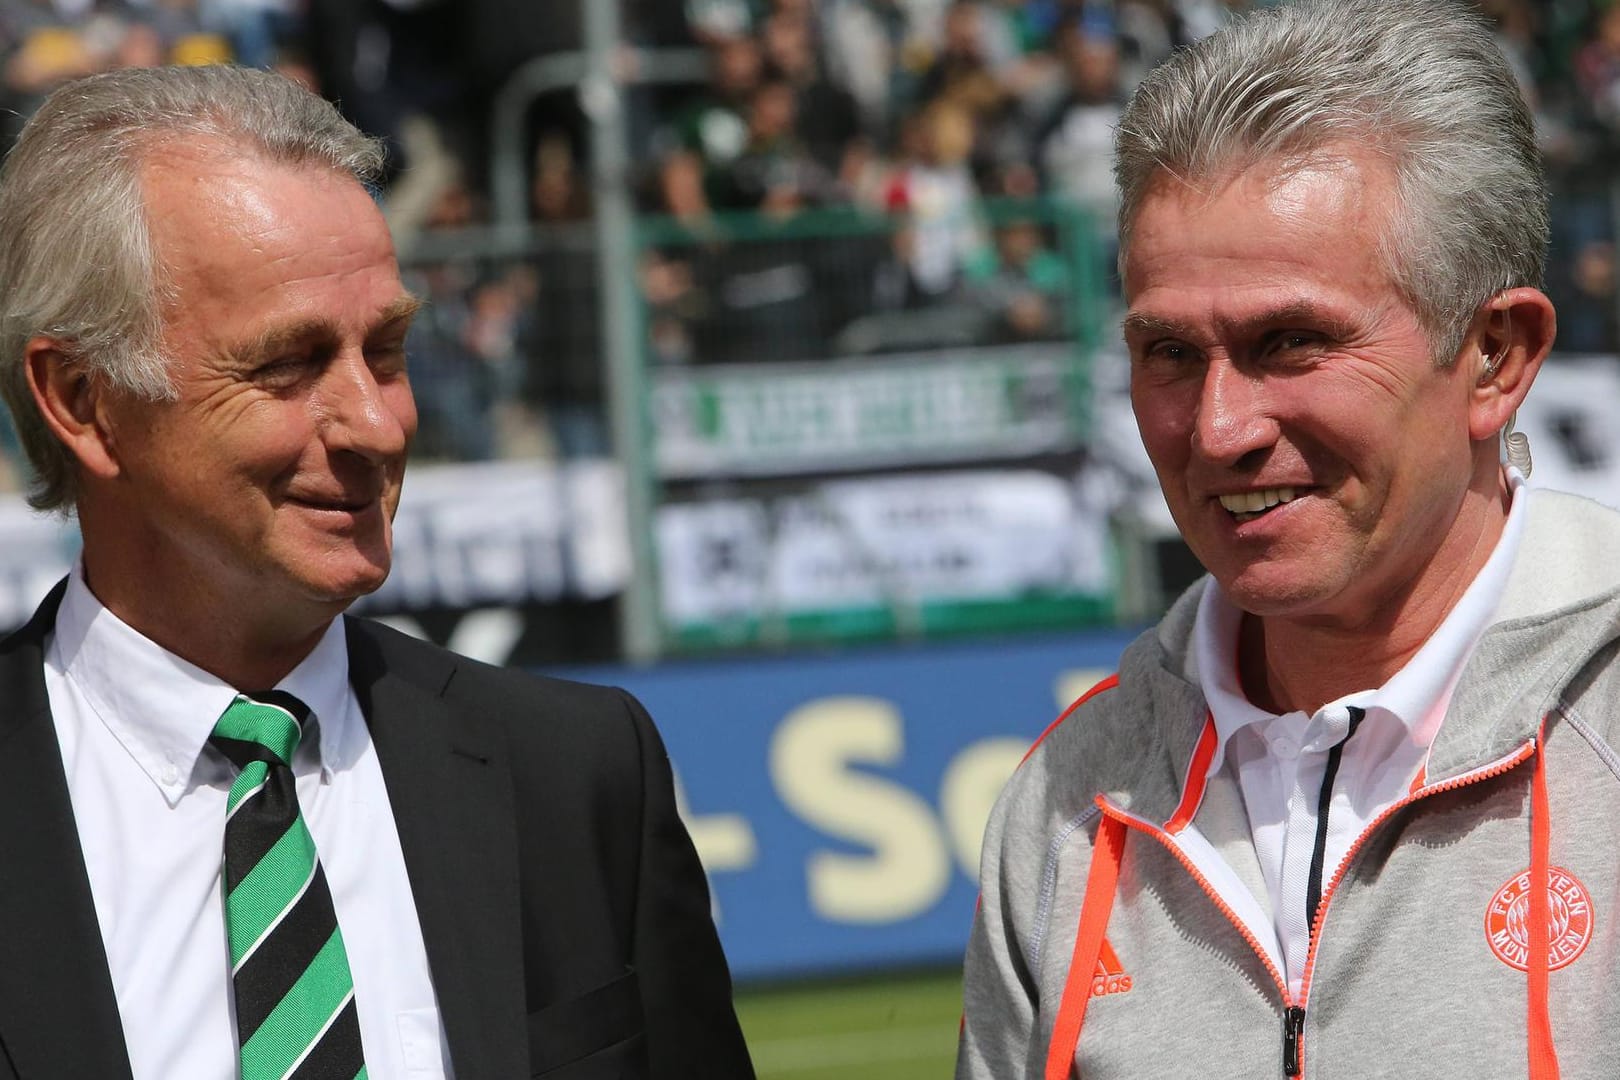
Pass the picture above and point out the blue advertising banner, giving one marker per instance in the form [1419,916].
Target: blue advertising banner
[839,801]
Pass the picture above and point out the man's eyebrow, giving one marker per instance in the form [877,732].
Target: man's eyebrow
[1290,313]
[287,336]
[284,337]
[399,311]
[1143,325]
[1296,313]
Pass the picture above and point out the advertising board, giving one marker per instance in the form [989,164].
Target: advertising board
[838,801]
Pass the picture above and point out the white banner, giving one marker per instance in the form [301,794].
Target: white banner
[897,540]
[503,532]
[1572,418]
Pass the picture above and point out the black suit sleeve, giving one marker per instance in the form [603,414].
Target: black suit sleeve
[692,1031]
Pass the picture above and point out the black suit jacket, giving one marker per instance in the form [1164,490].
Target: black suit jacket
[564,911]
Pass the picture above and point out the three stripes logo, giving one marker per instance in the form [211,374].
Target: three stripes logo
[1110,977]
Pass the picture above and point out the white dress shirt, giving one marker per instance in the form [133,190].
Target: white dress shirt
[1280,761]
[149,797]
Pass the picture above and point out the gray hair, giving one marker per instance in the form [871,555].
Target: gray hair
[1419,81]
[76,258]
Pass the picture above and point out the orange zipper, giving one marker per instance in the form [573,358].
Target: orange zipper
[1143,826]
[1484,772]
[1294,1014]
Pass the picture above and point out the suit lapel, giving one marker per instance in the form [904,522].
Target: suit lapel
[450,790]
[58,1013]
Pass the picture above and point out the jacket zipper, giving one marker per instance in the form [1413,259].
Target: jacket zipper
[1294,1014]
[1293,1028]
[1484,772]
[1144,826]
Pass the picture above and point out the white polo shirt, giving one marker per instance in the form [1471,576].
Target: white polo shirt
[1279,761]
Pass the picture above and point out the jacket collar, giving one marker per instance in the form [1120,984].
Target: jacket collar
[58,1012]
[450,788]
[1561,606]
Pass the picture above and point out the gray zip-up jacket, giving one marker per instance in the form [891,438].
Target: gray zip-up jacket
[1424,959]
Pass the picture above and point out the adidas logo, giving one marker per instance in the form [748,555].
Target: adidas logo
[1110,977]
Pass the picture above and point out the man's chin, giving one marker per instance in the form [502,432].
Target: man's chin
[1274,595]
[343,586]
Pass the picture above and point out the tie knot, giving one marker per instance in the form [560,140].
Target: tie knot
[262,726]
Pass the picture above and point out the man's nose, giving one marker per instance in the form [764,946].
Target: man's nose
[365,413]
[1234,418]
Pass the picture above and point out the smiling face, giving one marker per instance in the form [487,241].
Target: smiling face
[266,490]
[1313,455]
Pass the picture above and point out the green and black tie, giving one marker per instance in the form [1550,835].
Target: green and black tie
[295,1013]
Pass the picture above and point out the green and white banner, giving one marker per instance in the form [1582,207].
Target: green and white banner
[959,405]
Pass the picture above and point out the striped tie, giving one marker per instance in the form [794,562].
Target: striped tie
[295,1013]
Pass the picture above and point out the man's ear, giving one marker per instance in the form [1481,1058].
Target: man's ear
[1513,334]
[73,404]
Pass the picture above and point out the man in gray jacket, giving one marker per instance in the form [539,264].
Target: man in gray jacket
[1350,809]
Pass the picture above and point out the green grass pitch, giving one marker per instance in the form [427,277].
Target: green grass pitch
[888,1028]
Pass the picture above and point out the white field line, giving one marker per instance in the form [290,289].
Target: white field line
[806,1053]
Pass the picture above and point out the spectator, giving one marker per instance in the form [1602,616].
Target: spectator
[1597,71]
[939,196]
[262,33]
[1201,18]
[716,22]
[559,194]
[454,390]
[562,339]
[393,68]
[862,41]
[1075,145]
[175,32]
[775,171]
[708,136]
[674,306]
[828,118]
[1147,36]
[46,43]
[961,75]
[1022,283]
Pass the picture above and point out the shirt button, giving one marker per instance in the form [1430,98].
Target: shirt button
[1285,746]
[171,774]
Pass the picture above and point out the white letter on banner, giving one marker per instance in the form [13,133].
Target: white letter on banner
[723,841]
[972,781]
[909,867]
[1071,684]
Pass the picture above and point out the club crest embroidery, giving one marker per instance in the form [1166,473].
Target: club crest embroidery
[1570,916]
[1110,977]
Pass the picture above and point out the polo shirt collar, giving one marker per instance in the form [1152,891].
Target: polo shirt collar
[1416,695]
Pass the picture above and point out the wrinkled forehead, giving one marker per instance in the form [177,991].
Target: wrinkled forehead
[1338,180]
[205,199]
[1211,168]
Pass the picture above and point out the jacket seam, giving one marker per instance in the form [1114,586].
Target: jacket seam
[1603,750]
[1043,907]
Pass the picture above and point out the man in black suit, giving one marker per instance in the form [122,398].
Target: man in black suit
[245,835]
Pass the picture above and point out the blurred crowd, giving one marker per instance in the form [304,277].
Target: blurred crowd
[918,114]
[926,107]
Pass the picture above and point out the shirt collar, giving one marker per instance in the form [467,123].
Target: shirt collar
[1415,695]
[162,709]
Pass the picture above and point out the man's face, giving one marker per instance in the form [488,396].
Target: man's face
[1273,359]
[274,475]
